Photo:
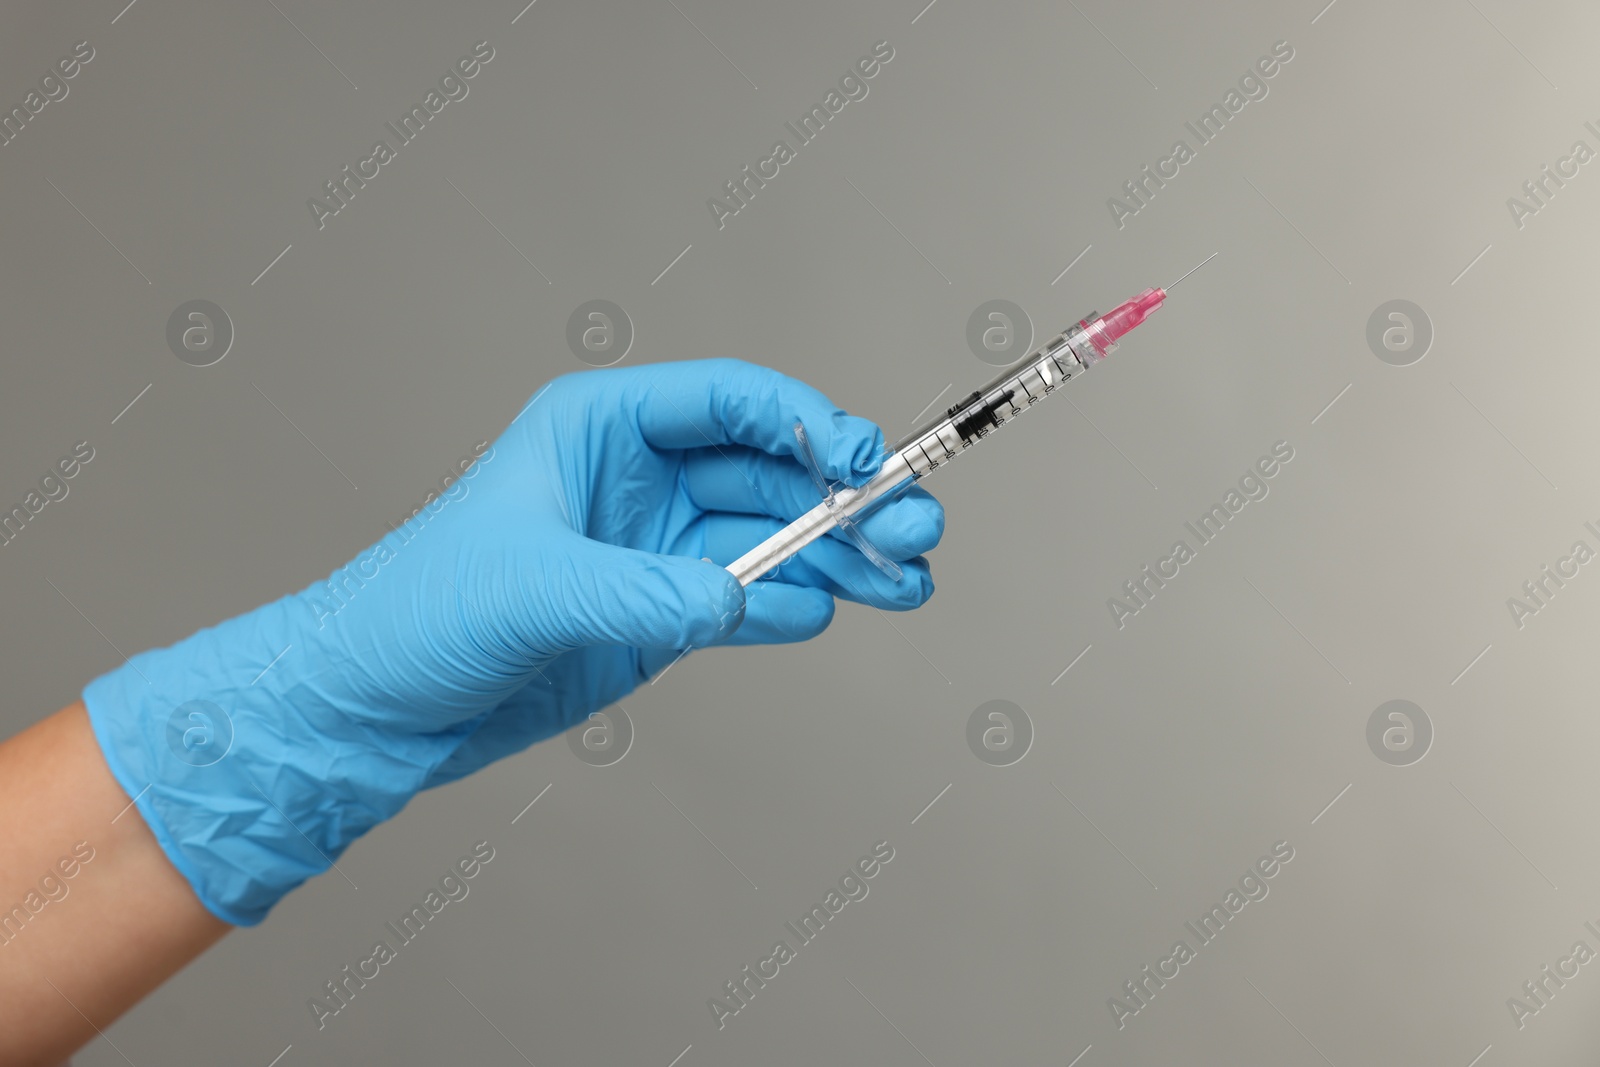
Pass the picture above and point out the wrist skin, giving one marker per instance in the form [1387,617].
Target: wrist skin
[95,915]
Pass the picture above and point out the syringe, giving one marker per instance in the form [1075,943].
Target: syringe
[943,438]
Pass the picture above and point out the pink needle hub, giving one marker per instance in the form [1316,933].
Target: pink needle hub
[1108,329]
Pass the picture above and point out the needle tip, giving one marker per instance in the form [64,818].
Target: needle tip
[1202,263]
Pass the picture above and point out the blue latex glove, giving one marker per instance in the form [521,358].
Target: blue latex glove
[563,569]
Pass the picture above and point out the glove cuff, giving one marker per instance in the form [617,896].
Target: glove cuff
[243,758]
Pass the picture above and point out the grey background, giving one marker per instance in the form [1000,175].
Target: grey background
[1222,719]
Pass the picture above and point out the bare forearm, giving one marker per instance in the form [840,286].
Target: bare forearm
[92,914]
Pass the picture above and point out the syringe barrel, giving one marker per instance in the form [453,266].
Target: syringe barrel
[944,437]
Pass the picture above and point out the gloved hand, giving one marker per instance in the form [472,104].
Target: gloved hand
[562,570]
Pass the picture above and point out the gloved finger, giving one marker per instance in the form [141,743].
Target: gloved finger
[586,592]
[744,480]
[729,401]
[909,526]
[778,613]
[736,478]
[835,567]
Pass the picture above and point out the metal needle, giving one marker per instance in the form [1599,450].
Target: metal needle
[1203,262]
